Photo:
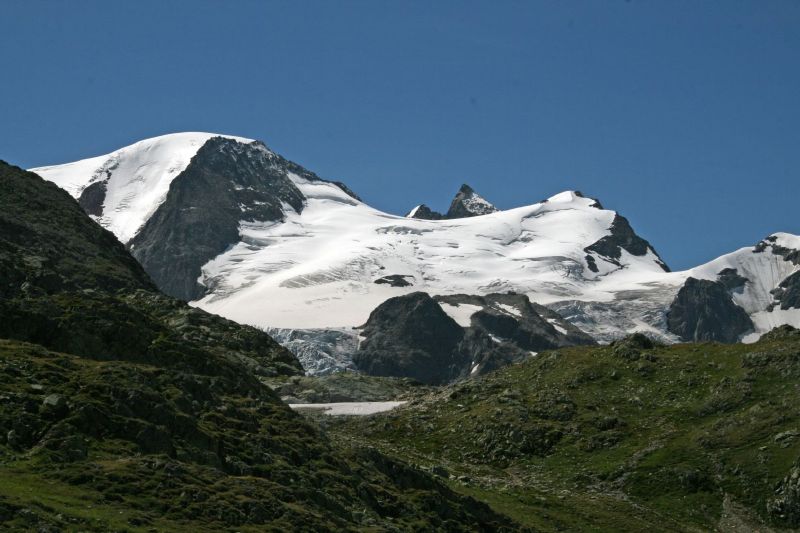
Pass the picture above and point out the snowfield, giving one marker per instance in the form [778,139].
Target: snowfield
[317,268]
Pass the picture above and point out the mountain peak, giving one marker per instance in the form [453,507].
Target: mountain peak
[577,197]
[424,212]
[468,203]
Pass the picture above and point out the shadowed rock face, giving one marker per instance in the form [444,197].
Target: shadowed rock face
[704,311]
[92,198]
[731,279]
[516,320]
[622,238]
[49,245]
[788,292]
[425,213]
[412,336]
[226,182]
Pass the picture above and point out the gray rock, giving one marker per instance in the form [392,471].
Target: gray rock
[425,213]
[225,182]
[54,405]
[468,203]
[622,237]
[395,280]
[703,310]
[788,292]
[785,507]
[412,336]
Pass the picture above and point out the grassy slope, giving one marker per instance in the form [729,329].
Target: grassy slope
[613,438]
[135,447]
[123,409]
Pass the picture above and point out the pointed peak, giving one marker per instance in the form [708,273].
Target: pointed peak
[468,203]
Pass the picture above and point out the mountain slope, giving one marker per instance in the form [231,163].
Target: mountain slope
[69,285]
[123,409]
[321,265]
[38,256]
[225,182]
[122,190]
[324,259]
[627,437]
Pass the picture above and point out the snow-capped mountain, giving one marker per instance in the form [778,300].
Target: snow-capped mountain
[244,233]
[122,190]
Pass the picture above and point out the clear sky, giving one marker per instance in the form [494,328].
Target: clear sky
[683,116]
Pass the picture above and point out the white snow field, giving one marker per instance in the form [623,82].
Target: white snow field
[138,177]
[317,268]
[348,408]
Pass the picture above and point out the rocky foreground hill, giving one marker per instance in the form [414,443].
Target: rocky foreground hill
[122,409]
[634,436]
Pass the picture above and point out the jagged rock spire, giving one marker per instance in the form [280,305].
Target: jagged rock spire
[468,203]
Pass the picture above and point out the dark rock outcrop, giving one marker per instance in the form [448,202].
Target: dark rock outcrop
[515,319]
[468,203]
[622,238]
[93,197]
[731,279]
[226,182]
[395,280]
[425,213]
[789,254]
[785,507]
[412,336]
[788,292]
[704,311]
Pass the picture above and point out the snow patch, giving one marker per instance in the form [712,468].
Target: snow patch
[509,310]
[554,322]
[348,408]
[461,313]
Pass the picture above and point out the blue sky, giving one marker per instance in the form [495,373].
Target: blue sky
[683,116]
